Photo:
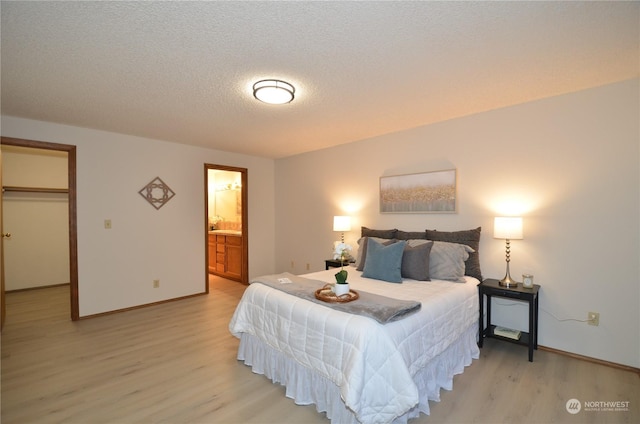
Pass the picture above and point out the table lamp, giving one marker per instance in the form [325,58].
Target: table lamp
[508,228]
[342,224]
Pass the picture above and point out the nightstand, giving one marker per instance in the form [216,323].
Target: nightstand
[335,263]
[490,288]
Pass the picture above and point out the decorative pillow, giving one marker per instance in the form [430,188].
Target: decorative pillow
[446,261]
[415,261]
[410,235]
[361,258]
[384,234]
[384,262]
[470,238]
[417,242]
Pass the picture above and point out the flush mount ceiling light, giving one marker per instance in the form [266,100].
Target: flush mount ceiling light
[274,92]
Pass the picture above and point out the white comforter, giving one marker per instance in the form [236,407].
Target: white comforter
[372,364]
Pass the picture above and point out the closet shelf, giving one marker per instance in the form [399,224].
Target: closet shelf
[34,189]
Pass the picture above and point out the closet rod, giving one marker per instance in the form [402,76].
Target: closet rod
[35,189]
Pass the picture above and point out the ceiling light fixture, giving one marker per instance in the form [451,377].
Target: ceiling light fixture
[274,92]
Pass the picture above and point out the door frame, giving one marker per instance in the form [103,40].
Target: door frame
[73,217]
[245,218]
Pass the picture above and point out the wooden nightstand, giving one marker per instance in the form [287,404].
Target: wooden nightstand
[490,288]
[335,263]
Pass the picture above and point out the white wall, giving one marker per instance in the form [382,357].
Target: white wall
[37,253]
[568,164]
[117,267]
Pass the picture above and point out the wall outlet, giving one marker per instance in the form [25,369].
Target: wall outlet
[292,265]
[593,318]
[308,267]
[156,284]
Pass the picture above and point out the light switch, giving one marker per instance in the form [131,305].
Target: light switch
[107,224]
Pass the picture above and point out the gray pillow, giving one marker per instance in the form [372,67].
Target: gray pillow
[385,234]
[415,261]
[361,258]
[411,235]
[384,262]
[470,238]
[446,261]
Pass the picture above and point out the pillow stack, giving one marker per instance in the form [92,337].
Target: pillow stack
[391,255]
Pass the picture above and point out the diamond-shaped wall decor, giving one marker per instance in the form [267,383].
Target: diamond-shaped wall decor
[157,193]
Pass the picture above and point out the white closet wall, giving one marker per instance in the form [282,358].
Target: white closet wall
[37,254]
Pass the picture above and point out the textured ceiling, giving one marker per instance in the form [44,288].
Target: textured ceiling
[182,71]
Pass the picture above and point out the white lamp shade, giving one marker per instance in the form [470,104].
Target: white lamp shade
[507,228]
[341,223]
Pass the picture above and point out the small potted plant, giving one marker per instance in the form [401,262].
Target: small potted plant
[342,286]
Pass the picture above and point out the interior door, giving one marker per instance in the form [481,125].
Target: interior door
[3,313]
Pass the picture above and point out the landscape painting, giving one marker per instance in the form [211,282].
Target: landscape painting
[429,192]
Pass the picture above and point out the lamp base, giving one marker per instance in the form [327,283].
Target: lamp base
[508,282]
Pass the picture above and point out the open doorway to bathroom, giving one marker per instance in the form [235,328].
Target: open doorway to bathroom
[226,213]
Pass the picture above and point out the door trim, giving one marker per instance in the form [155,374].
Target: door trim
[245,218]
[73,217]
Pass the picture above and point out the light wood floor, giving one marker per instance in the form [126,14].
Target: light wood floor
[175,363]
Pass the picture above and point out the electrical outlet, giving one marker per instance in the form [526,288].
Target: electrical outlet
[107,224]
[308,267]
[593,318]
[156,284]
[292,264]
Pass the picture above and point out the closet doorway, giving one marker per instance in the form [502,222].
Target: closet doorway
[47,195]
[226,213]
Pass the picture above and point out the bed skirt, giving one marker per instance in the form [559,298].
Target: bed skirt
[306,387]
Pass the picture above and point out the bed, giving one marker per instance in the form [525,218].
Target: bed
[350,366]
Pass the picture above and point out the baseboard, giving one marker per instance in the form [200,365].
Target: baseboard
[590,359]
[37,288]
[146,305]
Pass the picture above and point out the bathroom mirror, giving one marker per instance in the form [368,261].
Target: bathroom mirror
[225,200]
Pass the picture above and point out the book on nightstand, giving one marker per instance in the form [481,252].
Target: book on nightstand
[507,332]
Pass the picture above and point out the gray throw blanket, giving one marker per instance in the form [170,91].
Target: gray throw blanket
[382,309]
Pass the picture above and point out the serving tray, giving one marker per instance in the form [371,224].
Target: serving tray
[327,295]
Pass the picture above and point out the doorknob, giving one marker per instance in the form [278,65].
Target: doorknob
[6,235]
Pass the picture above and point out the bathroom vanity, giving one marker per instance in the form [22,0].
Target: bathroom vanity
[225,254]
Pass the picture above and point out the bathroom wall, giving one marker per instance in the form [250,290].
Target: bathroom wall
[225,199]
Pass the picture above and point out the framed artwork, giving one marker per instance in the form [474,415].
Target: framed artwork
[428,192]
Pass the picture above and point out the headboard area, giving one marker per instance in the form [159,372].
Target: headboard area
[441,239]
